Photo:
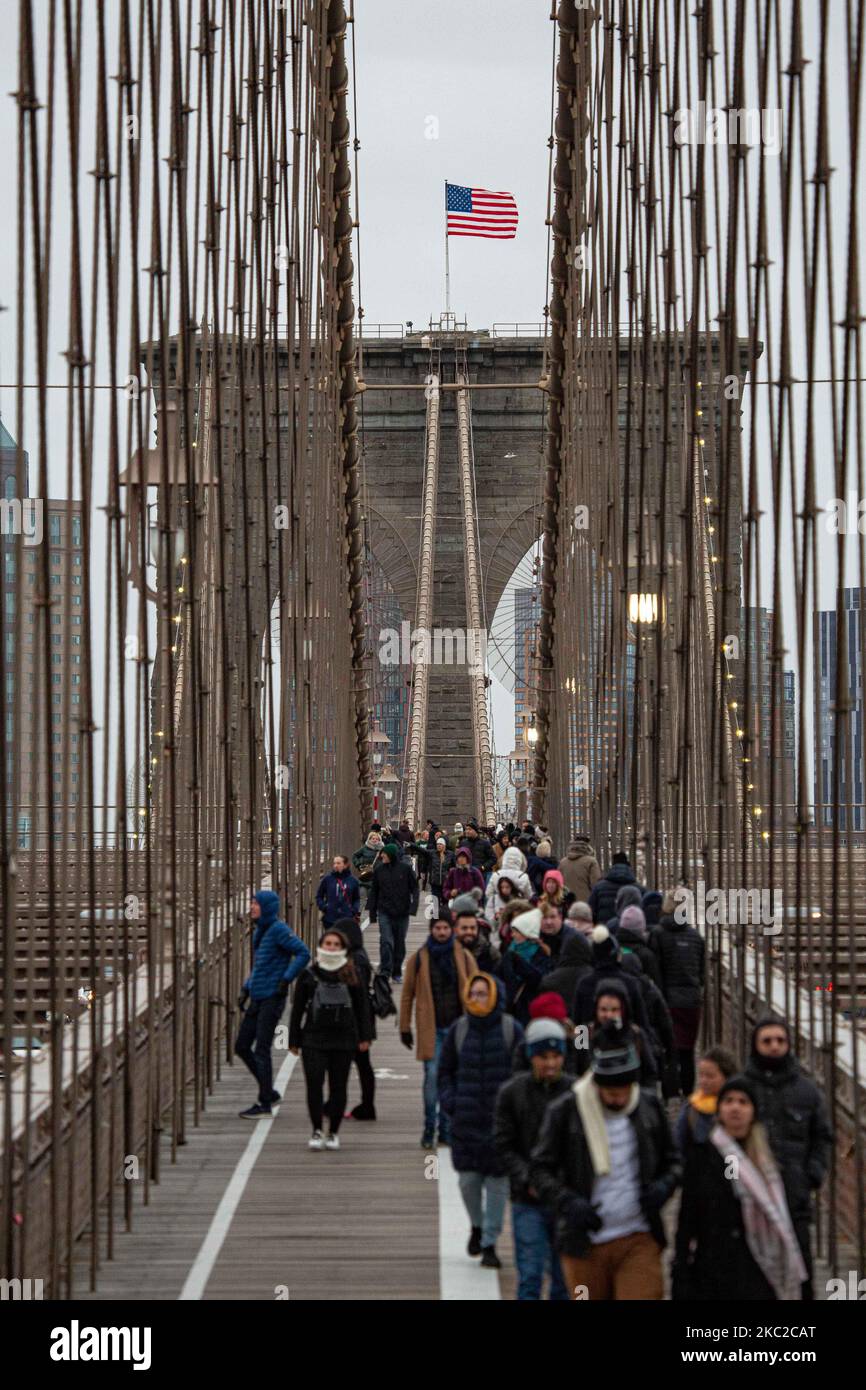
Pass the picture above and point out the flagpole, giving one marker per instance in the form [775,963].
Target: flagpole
[447,263]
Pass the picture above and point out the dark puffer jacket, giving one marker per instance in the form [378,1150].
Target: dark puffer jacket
[520,1109]
[575,961]
[680,951]
[657,1011]
[649,1074]
[792,1111]
[468,1085]
[602,899]
[583,1007]
[631,940]
[560,1168]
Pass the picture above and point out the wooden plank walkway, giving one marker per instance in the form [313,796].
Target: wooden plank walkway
[361,1223]
[365,1223]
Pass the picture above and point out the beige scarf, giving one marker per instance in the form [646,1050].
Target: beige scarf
[591,1112]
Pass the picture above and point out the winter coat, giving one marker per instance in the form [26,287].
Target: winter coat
[580,870]
[469,1081]
[631,940]
[713,1259]
[278,955]
[557,942]
[520,1108]
[460,880]
[649,1072]
[537,866]
[523,980]
[305,1031]
[359,958]
[602,899]
[680,951]
[692,1127]
[339,895]
[481,850]
[560,1167]
[486,957]
[514,867]
[794,1115]
[439,870]
[364,858]
[394,890]
[657,1011]
[418,988]
[574,961]
[652,907]
[583,1007]
[423,851]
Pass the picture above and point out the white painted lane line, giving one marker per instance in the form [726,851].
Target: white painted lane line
[460,1276]
[203,1264]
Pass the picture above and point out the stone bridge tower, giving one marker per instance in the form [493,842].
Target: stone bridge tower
[508,434]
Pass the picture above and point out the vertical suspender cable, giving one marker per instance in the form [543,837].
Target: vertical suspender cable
[475,656]
[424,608]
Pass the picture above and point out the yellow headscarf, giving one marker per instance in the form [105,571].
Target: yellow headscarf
[480,1010]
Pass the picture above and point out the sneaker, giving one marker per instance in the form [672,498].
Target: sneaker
[474,1246]
[275,1097]
[397,979]
[361,1112]
[489,1258]
[317,1141]
[332,1141]
[427,1140]
[254,1112]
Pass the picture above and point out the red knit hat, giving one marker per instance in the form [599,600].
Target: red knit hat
[551,1005]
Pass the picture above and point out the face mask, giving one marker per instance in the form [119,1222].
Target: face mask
[330,960]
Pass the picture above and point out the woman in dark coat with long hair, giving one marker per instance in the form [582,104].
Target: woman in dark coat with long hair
[331,1020]
[735,1238]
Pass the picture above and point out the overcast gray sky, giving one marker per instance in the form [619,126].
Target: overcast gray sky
[457,90]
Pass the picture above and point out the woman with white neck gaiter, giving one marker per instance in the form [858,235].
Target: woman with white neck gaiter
[331,1018]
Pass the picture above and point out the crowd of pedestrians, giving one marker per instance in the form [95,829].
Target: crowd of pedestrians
[556,1010]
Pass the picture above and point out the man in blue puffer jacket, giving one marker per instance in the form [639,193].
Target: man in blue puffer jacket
[476,1060]
[278,957]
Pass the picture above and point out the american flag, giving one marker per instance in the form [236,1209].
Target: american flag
[477,212]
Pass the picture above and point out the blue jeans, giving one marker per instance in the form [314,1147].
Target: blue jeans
[484,1198]
[534,1253]
[431,1091]
[392,943]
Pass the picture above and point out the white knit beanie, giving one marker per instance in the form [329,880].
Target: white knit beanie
[528,924]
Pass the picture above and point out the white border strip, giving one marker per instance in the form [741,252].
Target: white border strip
[461,1277]
[202,1266]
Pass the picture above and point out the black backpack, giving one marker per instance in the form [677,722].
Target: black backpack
[331,1006]
[381,1002]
